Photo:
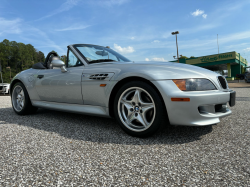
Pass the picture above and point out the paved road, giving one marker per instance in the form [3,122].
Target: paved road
[61,149]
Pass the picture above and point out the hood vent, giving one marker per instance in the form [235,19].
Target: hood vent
[98,76]
[223,82]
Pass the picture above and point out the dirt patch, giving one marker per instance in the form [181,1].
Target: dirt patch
[239,85]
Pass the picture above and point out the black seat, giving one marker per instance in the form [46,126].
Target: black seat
[49,66]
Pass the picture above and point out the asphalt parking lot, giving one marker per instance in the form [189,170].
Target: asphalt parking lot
[54,148]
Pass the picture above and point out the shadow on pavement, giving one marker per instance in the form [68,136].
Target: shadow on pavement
[97,129]
[4,94]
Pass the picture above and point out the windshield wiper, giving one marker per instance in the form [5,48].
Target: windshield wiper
[102,60]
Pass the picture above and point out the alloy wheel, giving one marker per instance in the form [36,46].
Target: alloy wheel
[136,109]
[18,98]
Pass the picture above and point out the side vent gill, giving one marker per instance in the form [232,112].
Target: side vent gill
[98,76]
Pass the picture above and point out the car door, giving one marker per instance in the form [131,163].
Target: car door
[55,86]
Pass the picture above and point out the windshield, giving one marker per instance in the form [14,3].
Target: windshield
[96,54]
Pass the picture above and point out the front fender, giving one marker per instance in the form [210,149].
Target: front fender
[27,78]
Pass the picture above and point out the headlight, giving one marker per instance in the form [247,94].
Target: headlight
[194,84]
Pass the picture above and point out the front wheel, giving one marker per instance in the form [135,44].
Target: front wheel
[21,103]
[139,109]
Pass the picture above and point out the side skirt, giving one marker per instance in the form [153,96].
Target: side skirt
[74,108]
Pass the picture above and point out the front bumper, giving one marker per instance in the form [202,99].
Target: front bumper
[3,90]
[204,107]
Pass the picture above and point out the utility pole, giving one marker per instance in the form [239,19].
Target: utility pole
[1,72]
[175,33]
[10,70]
[218,43]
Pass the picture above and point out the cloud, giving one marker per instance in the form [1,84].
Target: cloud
[204,16]
[156,59]
[132,38]
[64,7]
[247,49]
[35,35]
[73,28]
[156,41]
[10,26]
[197,12]
[167,34]
[124,50]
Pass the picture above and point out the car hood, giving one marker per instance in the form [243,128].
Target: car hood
[158,70]
[175,65]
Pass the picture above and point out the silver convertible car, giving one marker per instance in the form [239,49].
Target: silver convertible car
[141,96]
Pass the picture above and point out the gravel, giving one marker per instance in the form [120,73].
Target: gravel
[53,148]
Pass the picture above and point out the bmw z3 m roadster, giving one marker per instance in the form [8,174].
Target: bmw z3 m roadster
[141,96]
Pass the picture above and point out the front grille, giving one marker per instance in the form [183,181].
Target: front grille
[223,82]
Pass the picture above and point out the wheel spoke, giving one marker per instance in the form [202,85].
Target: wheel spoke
[21,104]
[142,120]
[21,92]
[137,96]
[130,118]
[147,107]
[127,104]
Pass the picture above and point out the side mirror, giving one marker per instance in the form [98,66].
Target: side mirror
[56,62]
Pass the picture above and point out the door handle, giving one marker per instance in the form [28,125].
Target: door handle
[40,76]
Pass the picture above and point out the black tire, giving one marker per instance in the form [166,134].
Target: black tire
[159,109]
[27,107]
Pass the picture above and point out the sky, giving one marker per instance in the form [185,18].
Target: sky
[138,29]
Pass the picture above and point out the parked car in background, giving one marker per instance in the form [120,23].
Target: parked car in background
[241,76]
[4,88]
[247,77]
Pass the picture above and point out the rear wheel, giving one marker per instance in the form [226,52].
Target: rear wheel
[139,109]
[21,103]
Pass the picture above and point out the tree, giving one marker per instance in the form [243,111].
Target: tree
[40,56]
[63,58]
[183,57]
[17,56]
